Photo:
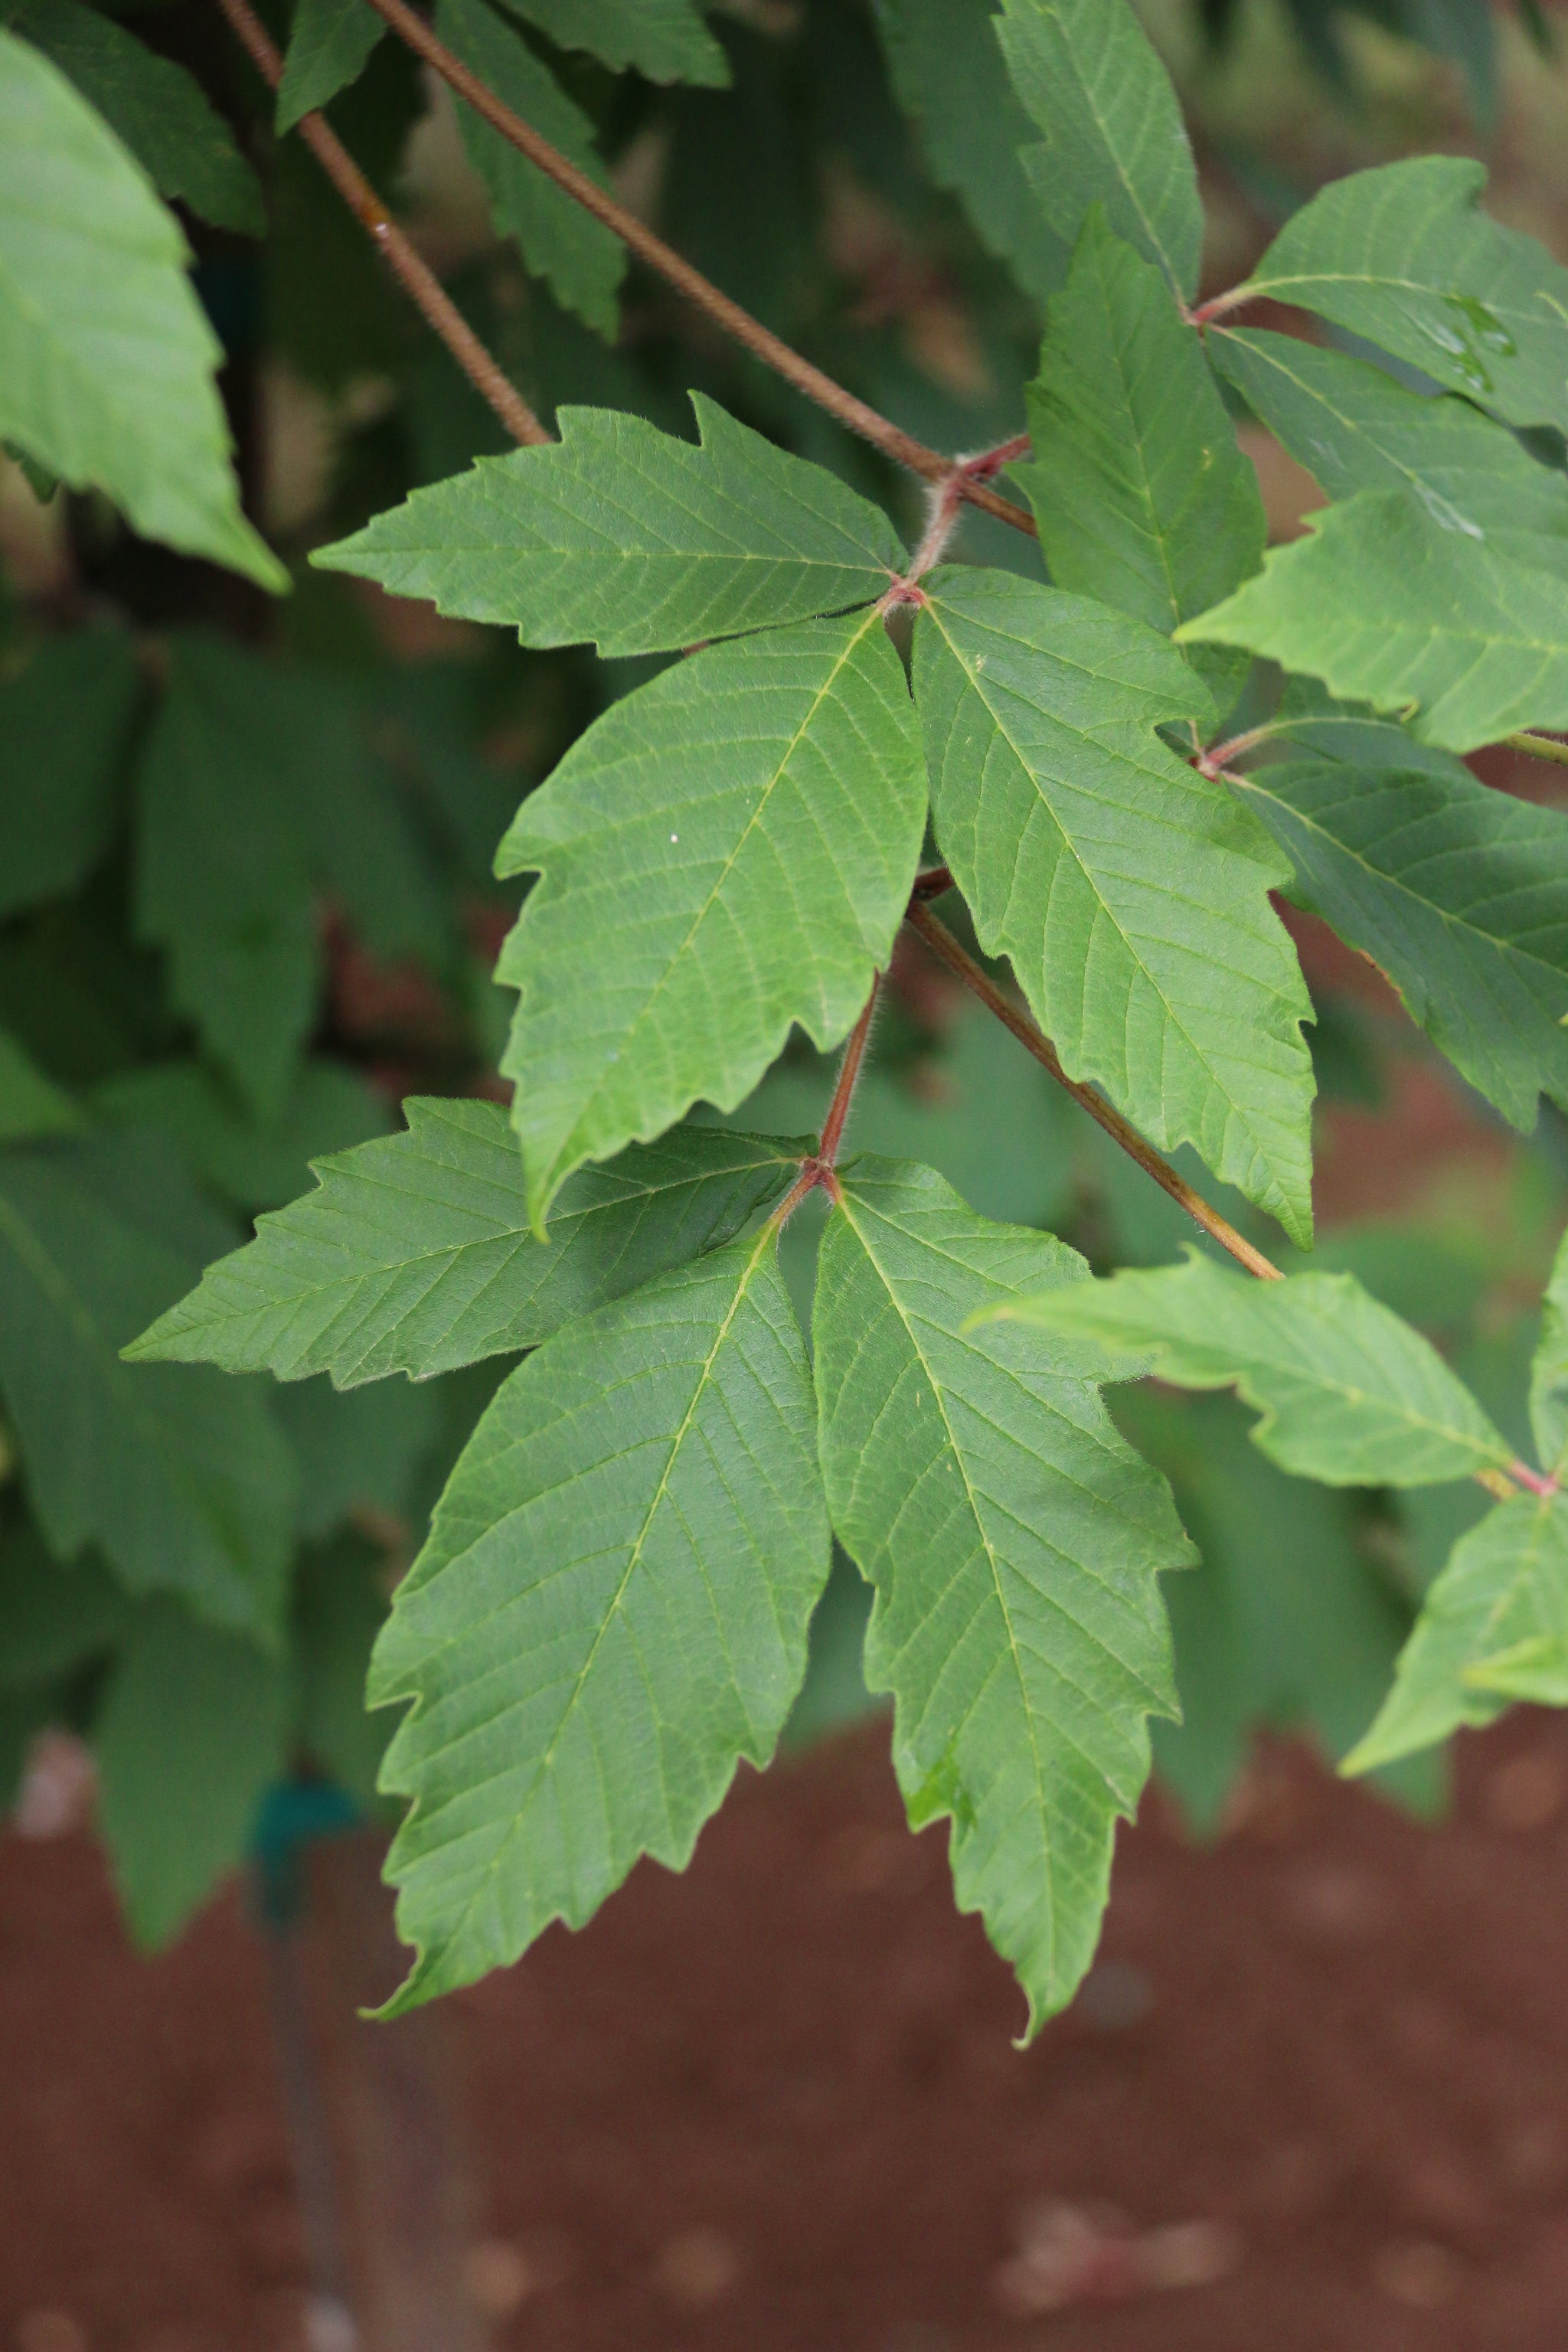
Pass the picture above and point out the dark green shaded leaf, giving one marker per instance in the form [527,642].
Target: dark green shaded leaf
[665,39]
[65,722]
[255,1167]
[329,48]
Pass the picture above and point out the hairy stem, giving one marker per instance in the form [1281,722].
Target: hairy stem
[1540,747]
[848,1073]
[763,344]
[941,941]
[418,280]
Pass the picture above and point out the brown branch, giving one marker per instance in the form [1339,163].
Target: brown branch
[941,941]
[1539,746]
[421,282]
[759,340]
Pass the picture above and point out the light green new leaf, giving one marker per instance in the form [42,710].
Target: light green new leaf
[1354,429]
[1458,892]
[191,1735]
[106,360]
[1129,892]
[414,1253]
[1493,1627]
[726,852]
[632,539]
[580,259]
[1114,134]
[1403,255]
[1388,607]
[948,74]
[610,1613]
[31,1104]
[223,879]
[179,1476]
[1142,497]
[1014,1539]
[159,109]
[65,721]
[1348,1392]
[330,46]
[1549,1370]
[666,41]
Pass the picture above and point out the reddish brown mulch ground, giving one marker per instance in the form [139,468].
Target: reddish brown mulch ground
[773,2104]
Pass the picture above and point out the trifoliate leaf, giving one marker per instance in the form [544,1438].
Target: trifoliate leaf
[726,852]
[948,75]
[191,1735]
[30,1104]
[414,1253]
[1549,1370]
[1354,429]
[108,367]
[1348,1392]
[65,722]
[632,539]
[178,1476]
[610,1613]
[1113,129]
[1388,607]
[1014,1539]
[1403,255]
[581,260]
[1142,497]
[1500,1608]
[159,109]
[666,40]
[222,874]
[1458,892]
[329,48]
[1129,895]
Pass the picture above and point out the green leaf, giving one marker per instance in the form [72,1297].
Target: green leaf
[1142,497]
[1354,429]
[65,723]
[1348,1392]
[666,41]
[725,852]
[1458,892]
[53,1618]
[1549,1371]
[948,74]
[30,1104]
[340,1607]
[359,1450]
[610,1613]
[414,1254]
[582,261]
[329,48]
[1014,1539]
[1287,1622]
[255,1167]
[626,537]
[1114,135]
[1387,607]
[222,878]
[1129,893]
[191,1735]
[106,376]
[159,109]
[1403,255]
[1499,1607]
[178,1476]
